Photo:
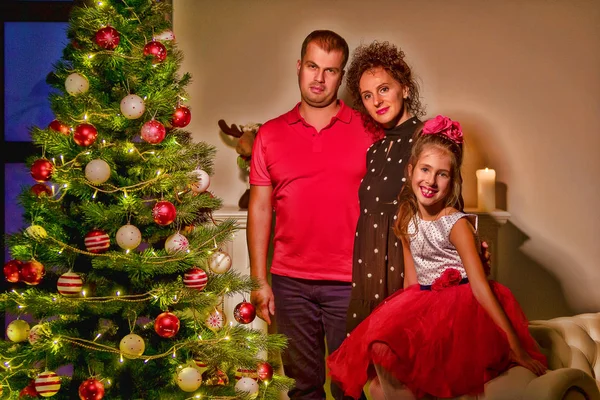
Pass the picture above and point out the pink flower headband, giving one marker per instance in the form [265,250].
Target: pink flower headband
[443,126]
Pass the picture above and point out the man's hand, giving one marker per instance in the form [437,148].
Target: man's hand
[486,258]
[264,302]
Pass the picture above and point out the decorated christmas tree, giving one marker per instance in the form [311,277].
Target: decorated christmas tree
[116,285]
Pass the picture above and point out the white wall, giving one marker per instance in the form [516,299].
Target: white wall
[523,77]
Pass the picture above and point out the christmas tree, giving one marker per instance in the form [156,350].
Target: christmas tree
[120,265]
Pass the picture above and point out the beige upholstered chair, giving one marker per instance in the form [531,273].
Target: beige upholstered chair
[572,346]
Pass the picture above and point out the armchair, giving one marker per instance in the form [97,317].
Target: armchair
[572,347]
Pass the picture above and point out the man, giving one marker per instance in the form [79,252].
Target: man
[306,166]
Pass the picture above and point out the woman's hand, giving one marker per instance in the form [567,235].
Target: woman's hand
[521,357]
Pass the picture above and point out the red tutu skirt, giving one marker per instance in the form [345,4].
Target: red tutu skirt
[443,342]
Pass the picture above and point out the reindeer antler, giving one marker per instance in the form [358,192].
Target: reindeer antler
[231,131]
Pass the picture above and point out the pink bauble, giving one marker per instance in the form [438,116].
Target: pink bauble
[85,135]
[97,241]
[166,325]
[69,284]
[181,117]
[153,132]
[195,278]
[157,50]
[41,170]
[108,38]
[164,213]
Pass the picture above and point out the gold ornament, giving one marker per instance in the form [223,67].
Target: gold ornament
[18,331]
[36,232]
[215,377]
[132,346]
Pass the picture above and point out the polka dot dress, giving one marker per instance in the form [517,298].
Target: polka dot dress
[378,264]
[431,248]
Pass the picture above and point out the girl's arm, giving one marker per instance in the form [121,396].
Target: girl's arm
[410,274]
[462,237]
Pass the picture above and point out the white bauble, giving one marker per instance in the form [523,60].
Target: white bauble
[247,385]
[34,334]
[129,237]
[97,171]
[189,379]
[220,262]
[203,181]
[18,331]
[132,106]
[132,346]
[76,84]
[165,35]
[176,242]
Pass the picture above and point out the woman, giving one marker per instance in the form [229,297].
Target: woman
[384,90]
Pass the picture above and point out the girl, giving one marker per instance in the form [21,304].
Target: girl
[450,330]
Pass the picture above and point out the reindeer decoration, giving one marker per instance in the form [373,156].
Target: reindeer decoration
[245,135]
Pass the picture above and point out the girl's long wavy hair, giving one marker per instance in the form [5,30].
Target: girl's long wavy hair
[390,58]
[408,207]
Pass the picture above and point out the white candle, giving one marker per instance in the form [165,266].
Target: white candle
[486,189]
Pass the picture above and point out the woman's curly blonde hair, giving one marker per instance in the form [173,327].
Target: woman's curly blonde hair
[390,58]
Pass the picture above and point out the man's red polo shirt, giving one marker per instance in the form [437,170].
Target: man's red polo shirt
[315,178]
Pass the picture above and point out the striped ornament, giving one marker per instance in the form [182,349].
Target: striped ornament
[47,384]
[69,284]
[97,241]
[246,373]
[201,365]
[195,278]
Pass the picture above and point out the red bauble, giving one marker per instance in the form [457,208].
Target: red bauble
[12,271]
[153,132]
[166,325]
[195,278]
[157,50]
[181,117]
[97,241]
[41,170]
[264,371]
[28,391]
[244,313]
[108,38]
[91,389]
[32,272]
[39,189]
[58,126]
[85,135]
[164,213]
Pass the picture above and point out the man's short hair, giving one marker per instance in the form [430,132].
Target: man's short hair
[328,41]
